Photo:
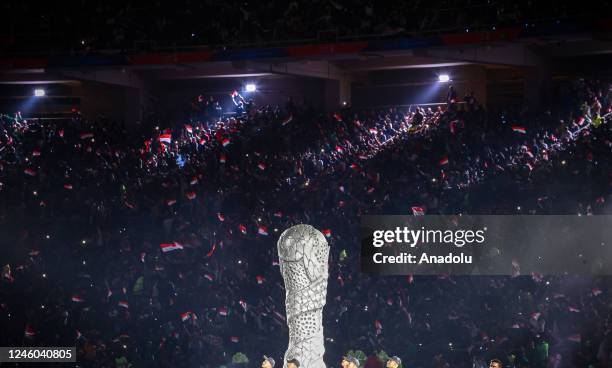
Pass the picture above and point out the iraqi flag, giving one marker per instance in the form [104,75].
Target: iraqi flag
[30,172]
[68,186]
[169,247]
[418,211]
[261,166]
[519,129]
[443,161]
[171,202]
[260,279]
[35,153]
[124,304]
[220,216]
[278,214]
[242,228]
[86,135]
[327,233]
[234,339]
[596,291]
[339,149]
[189,128]
[223,311]
[287,120]
[185,316]
[373,130]
[225,142]
[193,180]
[209,277]
[191,195]
[338,117]
[222,158]
[77,299]
[573,309]
[262,230]
[29,332]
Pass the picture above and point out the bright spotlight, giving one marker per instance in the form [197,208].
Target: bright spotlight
[251,87]
[443,78]
[39,92]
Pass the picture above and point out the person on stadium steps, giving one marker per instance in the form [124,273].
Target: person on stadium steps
[495,363]
[293,363]
[268,362]
[394,362]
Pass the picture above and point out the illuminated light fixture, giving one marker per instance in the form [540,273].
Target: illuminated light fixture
[443,78]
[250,87]
[39,92]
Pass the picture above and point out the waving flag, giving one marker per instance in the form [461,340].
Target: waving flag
[189,128]
[185,316]
[418,211]
[191,195]
[234,339]
[261,166]
[596,291]
[444,161]
[574,338]
[339,149]
[35,153]
[262,230]
[242,228]
[338,117]
[223,311]
[278,214]
[86,135]
[77,299]
[260,279]
[225,142]
[166,136]
[29,331]
[169,247]
[30,172]
[327,232]
[519,129]
[373,130]
[220,216]
[171,202]
[194,180]
[68,186]
[222,158]
[209,277]
[124,304]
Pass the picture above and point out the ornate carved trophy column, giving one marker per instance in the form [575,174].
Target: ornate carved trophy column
[303,253]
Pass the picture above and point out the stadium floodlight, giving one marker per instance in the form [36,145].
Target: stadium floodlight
[39,92]
[250,87]
[443,78]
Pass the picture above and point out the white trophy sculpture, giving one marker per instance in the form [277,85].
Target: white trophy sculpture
[303,253]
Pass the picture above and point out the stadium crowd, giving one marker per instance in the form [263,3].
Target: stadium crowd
[157,247]
[61,28]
